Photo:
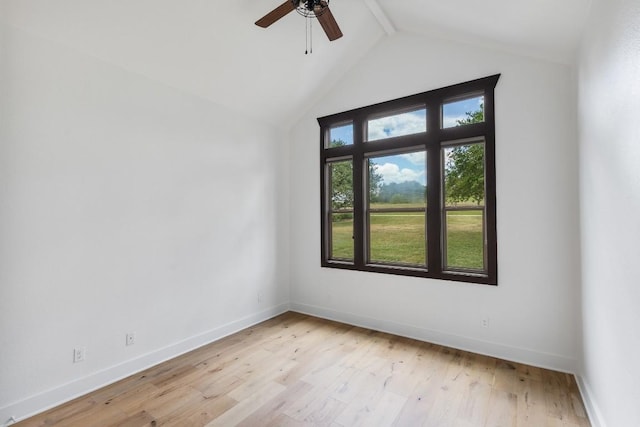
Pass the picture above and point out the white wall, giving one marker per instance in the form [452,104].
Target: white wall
[609,112]
[125,205]
[533,312]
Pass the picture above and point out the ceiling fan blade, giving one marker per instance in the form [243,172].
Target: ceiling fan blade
[276,14]
[329,24]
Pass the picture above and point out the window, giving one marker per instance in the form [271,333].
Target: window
[408,185]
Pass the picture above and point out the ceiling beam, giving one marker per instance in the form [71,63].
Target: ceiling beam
[380,16]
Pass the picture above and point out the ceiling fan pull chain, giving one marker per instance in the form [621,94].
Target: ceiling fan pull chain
[310,35]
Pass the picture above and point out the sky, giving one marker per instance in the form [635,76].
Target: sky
[402,167]
[411,166]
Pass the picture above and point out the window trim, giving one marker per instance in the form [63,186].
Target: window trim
[431,141]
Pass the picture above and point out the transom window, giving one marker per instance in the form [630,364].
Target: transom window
[408,185]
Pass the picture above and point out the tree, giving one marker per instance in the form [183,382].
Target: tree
[464,169]
[342,182]
[375,181]
[473,117]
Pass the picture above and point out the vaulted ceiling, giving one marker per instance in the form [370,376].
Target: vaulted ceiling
[212,49]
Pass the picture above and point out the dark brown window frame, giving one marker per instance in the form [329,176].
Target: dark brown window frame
[432,142]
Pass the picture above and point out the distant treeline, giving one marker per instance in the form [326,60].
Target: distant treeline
[400,192]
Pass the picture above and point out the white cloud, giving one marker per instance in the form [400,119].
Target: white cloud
[401,124]
[417,159]
[391,172]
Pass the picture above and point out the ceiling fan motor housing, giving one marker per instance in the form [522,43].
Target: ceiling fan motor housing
[310,8]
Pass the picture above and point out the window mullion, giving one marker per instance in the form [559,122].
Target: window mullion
[324,203]
[359,192]
[434,217]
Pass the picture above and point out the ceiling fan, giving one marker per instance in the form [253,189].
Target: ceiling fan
[309,9]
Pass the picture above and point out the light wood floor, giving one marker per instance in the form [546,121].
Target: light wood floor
[297,370]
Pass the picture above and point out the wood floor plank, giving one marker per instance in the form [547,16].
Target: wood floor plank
[531,403]
[316,408]
[386,411]
[297,370]
[201,414]
[212,386]
[54,416]
[420,403]
[503,406]
[142,418]
[129,401]
[274,408]
[285,421]
[104,416]
[376,409]
[448,398]
[269,373]
[474,386]
[246,407]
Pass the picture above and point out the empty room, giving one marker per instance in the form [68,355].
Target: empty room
[319,212]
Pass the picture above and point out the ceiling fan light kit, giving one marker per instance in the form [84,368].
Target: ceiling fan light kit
[318,9]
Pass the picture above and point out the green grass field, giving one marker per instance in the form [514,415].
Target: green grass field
[399,237]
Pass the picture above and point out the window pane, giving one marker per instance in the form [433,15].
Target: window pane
[465,240]
[463,112]
[397,186]
[342,236]
[406,123]
[464,175]
[341,135]
[398,181]
[341,184]
[397,237]
[464,187]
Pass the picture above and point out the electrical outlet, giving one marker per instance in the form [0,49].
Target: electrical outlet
[260,296]
[79,354]
[485,322]
[131,338]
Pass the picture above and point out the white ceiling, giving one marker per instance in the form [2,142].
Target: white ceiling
[549,29]
[212,49]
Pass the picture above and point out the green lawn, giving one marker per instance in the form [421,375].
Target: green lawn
[464,239]
[400,237]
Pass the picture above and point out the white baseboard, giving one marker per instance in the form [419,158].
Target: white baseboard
[595,416]
[71,390]
[515,354]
